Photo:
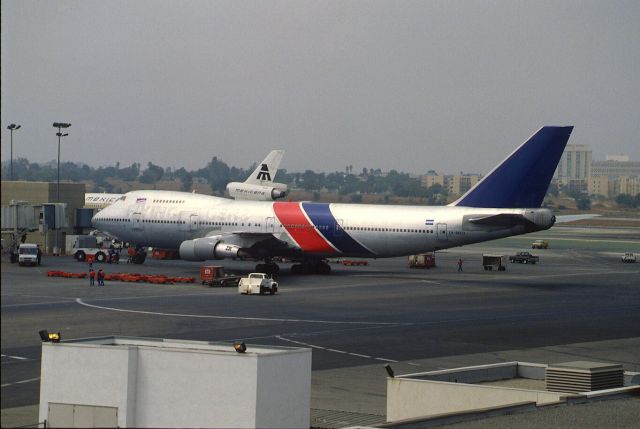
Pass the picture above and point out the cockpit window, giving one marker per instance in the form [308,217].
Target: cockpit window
[122,198]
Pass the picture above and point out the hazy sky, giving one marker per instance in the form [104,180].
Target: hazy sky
[412,85]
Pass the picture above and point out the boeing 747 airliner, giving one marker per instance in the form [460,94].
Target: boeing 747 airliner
[504,203]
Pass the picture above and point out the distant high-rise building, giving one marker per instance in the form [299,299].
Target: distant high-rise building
[600,185]
[575,164]
[619,158]
[459,184]
[614,169]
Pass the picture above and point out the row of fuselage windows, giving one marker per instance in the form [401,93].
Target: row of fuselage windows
[287,226]
[374,229]
[169,201]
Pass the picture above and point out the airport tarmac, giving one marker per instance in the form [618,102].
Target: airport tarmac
[579,302]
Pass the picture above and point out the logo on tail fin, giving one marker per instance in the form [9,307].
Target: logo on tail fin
[263,174]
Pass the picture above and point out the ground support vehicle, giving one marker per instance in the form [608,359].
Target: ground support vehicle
[165,254]
[540,244]
[422,260]
[629,257]
[136,255]
[91,254]
[499,262]
[524,258]
[28,254]
[214,275]
[257,284]
[353,263]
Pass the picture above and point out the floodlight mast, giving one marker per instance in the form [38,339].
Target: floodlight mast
[11,128]
[59,126]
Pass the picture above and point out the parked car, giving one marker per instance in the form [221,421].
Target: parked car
[524,258]
[540,244]
[629,257]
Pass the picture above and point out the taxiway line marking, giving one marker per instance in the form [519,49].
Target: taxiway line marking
[206,316]
[343,352]
[20,382]
[15,357]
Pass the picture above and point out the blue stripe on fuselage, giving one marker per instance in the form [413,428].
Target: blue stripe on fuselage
[321,216]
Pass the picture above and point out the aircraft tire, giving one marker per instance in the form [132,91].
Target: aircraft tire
[323,268]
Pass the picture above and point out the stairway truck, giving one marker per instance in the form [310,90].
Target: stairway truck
[257,284]
[497,262]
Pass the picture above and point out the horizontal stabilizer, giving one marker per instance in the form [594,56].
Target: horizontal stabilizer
[573,218]
[521,180]
[506,220]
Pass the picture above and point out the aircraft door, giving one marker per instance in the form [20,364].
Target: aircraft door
[193,222]
[137,221]
[270,225]
[442,231]
[339,227]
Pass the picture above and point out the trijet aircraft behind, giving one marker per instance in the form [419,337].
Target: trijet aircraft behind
[504,203]
[258,186]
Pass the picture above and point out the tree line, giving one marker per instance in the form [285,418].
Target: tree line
[217,174]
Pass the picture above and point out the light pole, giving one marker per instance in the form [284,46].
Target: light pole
[12,127]
[59,126]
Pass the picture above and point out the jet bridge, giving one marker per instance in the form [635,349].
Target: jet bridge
[21,217]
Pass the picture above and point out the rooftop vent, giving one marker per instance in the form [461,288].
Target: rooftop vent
[583,376]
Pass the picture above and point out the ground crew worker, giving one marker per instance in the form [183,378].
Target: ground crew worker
[460,265]
[92,276]
[131,251]
[100,277]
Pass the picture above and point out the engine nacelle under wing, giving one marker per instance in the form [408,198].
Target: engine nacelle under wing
[202,249]
[247,191]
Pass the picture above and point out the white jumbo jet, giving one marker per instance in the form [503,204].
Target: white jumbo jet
[258,186]
[504,203]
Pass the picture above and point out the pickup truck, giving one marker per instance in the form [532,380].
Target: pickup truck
[540,244]
[258,284]
[524,258]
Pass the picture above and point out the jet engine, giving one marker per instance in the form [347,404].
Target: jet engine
[247,191]
[202,249]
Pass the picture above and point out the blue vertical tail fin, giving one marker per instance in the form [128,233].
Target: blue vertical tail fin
[522,179]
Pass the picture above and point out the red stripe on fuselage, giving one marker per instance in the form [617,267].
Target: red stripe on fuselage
[300,229]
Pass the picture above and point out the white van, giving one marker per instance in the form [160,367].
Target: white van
[28,254]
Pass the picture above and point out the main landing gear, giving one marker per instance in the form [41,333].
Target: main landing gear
[270,268]
[306,267]
[311,267]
